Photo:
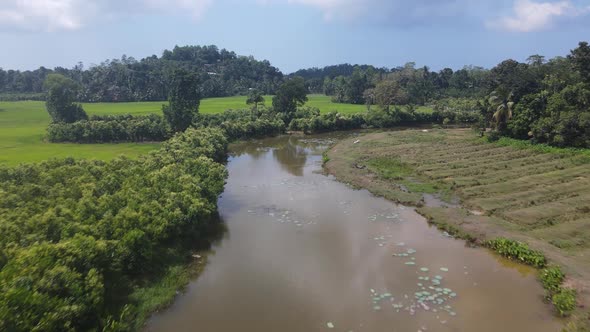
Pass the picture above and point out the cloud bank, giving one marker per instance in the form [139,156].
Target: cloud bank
[523,15]
[36,15]
[532,16]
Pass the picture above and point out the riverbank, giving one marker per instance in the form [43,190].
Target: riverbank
[304,252]
[481,190]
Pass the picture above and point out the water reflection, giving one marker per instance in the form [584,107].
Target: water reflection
[306,251]
[290,155]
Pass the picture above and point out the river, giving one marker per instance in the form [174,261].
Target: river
[304,252]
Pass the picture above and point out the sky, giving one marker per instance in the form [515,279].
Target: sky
[293,34]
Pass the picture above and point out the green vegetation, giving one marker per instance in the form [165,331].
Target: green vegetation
[255,97]
[517,251]
[552,277]
[81,237]
[183,100]
[222,73]
[290,95]
[111,128]
[61,99]
[564,301]
[162,291]
[91,244]
[23,127]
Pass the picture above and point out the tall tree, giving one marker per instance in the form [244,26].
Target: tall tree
[580,58]
[61,98]
[184,99]
[388,93]
[255,97]
[291,93]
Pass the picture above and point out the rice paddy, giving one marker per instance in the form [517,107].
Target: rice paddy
[23,125]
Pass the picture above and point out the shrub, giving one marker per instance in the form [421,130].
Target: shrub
[112,128]
[564,301]
[551,278]
[517,251]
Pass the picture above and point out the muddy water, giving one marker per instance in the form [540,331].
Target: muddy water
[306,253]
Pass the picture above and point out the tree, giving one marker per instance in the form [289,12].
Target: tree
[389,92]
[61,99]
[580,58]
[184,99]
[510,75]
[291,94]
[369,97]
[501,101]
[255,97]
[535,60]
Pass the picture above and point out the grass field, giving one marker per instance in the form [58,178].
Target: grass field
[23,124]
[537,195]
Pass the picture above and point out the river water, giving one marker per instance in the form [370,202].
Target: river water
[304,252]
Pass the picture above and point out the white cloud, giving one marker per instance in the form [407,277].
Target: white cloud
[533,16]
[73,14]
[32,14]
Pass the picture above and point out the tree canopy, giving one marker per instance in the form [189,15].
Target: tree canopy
[184,99]
[61,99]
[291,93]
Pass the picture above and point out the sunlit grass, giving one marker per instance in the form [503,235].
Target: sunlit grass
[23,125]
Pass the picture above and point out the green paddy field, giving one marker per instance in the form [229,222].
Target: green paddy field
[23,124]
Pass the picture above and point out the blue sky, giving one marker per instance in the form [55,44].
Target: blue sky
[292,34]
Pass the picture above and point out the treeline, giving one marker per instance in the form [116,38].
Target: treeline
[353,83]
[222,72]
[552,108]
[79,236]
[111,128]
[250,123]
[545,101]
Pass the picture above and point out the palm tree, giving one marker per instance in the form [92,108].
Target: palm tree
[501,101]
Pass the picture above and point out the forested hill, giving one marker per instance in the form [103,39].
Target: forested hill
[222,73]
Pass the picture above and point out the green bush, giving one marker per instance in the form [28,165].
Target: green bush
[551,278]
[517,251]
[111,128]
[564,301]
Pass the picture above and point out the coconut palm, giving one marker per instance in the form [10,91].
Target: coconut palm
[501,102]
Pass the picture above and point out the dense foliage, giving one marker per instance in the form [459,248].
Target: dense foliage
[347,83]
[183,100]
[243,124]
[290,95]
[61,99]
[111,128]
[551,278]
[564,301]
[518,251]
[222,72]
[545,101]
[78,236]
